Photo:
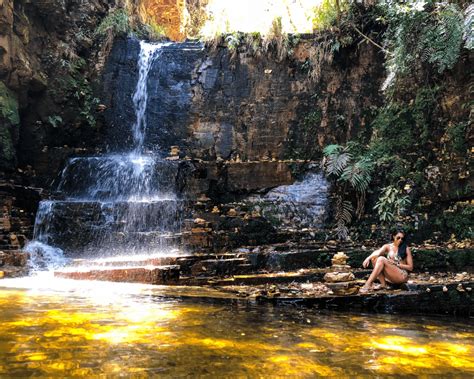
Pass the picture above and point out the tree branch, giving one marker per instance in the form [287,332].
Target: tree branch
[371,41]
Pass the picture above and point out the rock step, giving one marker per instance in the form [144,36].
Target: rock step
[145,275]
[122,262]
[221,267]
[154,261]
[311,275]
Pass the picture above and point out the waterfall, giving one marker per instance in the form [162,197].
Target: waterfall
[302,204]
[148,53]
[118,203]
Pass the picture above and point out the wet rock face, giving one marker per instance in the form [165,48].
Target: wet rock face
[215,105]
[260,108]
[169,94]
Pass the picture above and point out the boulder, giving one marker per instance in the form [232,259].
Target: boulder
[335,277]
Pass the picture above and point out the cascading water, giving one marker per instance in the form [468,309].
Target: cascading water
[302,204]
[113,204]
[148,53]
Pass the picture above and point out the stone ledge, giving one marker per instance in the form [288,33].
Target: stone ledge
[450,301]
[145,275]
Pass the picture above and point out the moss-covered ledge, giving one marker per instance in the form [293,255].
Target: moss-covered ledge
[440,259]
[9,119]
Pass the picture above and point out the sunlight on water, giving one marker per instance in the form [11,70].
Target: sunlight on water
[66,328]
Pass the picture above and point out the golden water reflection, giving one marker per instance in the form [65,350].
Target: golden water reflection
[70,334]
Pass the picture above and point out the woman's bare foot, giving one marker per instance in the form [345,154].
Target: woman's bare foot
[378,287]
[366,289]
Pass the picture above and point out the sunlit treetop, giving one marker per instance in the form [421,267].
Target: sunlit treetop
[257,16]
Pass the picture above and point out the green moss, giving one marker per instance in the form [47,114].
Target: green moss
[7,150]
[302,142]
[8,105]
[457,137]
[77,89]
[458,220]
[9,118]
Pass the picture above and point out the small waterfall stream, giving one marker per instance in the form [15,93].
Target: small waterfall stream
[115,204]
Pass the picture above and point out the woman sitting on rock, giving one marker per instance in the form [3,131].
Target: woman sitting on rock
[391,263]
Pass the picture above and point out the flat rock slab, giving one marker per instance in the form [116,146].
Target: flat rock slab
[221,267]
[454,299]
[145,275]
[308,275]
[126,262]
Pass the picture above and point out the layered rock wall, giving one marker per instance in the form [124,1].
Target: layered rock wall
[48,59]
[249,108]
[262,108]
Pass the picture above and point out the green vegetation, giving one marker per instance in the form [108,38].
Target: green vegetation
[351,174]
[458,220]
[328,14]
[275,41]
[8,105]
[391,203]
[119,23]
[73,85]
[9,120]
[422,34]
[421,41]
[55,120]
[457,137]
[400,131]
[116,23]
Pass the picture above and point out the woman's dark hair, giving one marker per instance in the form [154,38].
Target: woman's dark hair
[402,248]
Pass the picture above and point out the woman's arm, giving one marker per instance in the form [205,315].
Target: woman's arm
[377,253]
[409,265]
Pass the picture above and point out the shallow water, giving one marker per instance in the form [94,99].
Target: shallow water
[52,327]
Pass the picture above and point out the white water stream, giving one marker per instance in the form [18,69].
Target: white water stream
[121,203]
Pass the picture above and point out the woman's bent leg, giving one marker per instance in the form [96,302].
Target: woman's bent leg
[394,274]
[379,266]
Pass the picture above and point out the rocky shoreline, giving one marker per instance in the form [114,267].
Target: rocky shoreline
[441,284]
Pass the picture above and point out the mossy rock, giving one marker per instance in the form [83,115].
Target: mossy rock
[8,105]
[9,119]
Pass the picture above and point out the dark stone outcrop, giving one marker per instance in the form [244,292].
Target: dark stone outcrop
[438,301]
[48,61]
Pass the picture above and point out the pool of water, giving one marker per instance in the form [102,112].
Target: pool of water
[53,327]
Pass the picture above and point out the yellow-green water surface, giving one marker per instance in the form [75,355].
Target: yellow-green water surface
[108,329]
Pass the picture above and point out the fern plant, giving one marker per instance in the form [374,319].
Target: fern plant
[429,33]
[469,27]
[351,174]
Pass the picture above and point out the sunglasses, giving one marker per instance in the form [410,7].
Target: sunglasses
[399,238]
